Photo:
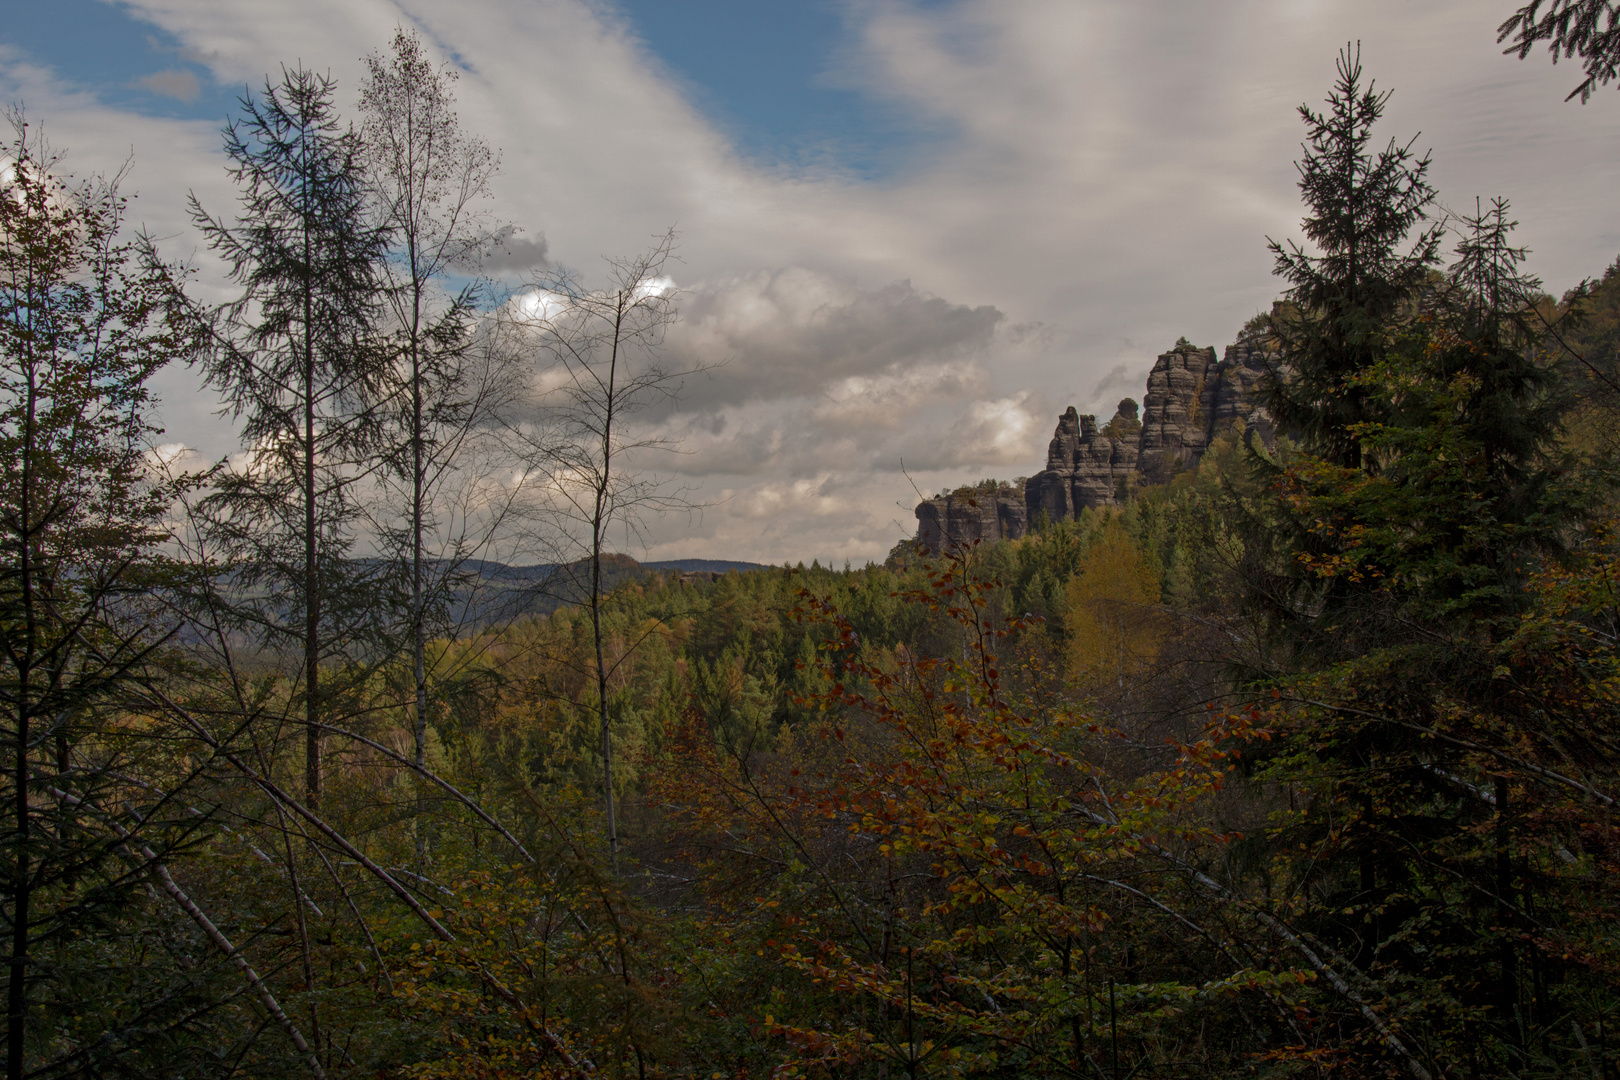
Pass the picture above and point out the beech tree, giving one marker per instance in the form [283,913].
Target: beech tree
[87,317]
[1112,620]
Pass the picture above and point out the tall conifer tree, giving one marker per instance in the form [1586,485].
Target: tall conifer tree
[1362,206]
[1430,494]
[297,359]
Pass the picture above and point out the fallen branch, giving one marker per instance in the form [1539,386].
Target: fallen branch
[198,916]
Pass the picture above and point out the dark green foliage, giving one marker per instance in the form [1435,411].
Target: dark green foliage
[1345,299]
[1405,546]
[1589,29]
[86,318]
[1302,763]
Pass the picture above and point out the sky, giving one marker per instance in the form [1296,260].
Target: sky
[910,233]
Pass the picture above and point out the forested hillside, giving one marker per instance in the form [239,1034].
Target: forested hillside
[1301,763]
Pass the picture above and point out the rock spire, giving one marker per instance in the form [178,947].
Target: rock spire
[1191,399]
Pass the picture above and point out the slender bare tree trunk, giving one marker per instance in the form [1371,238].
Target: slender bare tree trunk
[427,177]
[418,612]
[418,620]
[22,885]
[312,595]
[598,528]
[604,343]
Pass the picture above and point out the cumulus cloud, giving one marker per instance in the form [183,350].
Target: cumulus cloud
[1109,176]
[803,374]
[829,394]
[793,332]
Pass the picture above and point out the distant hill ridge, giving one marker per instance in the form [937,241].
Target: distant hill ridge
[484,592]
[612,562]
[713,566]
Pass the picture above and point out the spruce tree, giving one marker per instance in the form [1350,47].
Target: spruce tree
[298,361]
[1589,29]
[1430,493]
[1345,297]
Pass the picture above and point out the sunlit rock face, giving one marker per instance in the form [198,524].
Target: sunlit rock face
[1192,398]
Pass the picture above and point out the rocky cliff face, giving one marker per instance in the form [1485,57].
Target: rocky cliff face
[1192,398]
[1236,399]
[1085,465]
[987,513]
[1175,428]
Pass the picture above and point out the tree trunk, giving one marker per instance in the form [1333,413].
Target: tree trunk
[312,595]
[418,617]
[598,525]
[22,886]
[1504,913]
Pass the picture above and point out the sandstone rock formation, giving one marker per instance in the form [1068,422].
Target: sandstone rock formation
[1191,399]
[1236,399]
[987,512]
[1175,423]
[1085,466]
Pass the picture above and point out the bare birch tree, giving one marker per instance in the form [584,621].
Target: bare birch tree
[441,505]
[604,368]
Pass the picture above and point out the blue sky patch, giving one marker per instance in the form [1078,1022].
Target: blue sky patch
[765,72]
[126,62]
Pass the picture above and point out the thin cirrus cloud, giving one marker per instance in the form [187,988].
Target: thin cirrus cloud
[1097,179]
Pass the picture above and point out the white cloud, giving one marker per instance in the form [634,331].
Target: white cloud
[773,334]
[173,458]
[538,306]
[1109,178]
